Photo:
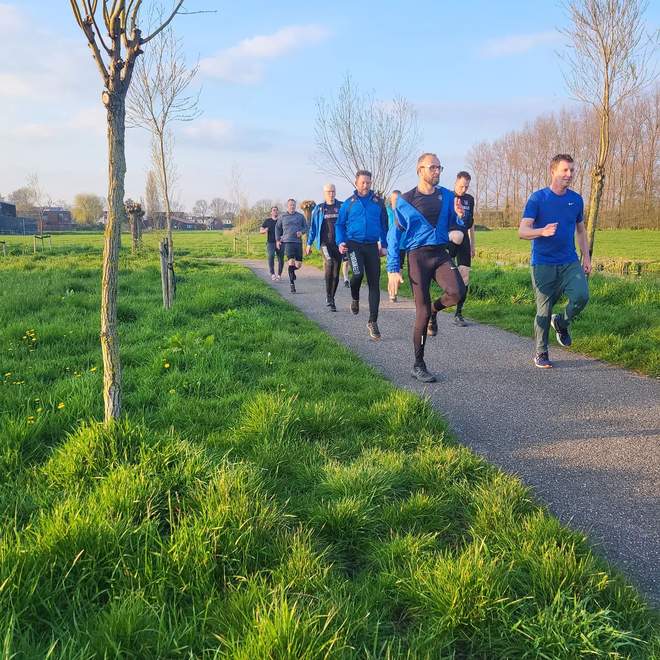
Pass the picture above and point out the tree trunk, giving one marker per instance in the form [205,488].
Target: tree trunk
[111,245]
[598,174]
[171,283]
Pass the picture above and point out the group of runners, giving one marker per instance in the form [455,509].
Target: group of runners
[432,228]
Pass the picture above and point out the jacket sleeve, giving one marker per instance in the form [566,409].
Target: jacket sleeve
[313,225]
[383,226]
[278,229]
[394,234]
[340,225]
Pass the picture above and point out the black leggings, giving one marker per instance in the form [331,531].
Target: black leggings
[364,258]
[426,264]
[331,267]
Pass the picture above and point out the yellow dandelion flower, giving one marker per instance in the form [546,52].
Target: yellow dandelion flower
[93,369]
[60,405]
[40,410]
[167,365]
[172,391]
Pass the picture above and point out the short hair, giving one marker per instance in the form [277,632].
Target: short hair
[463,175]
[290,200]
[398,192]
[329,185]
[558,159]
[426,154]
[274,207]
[360,173]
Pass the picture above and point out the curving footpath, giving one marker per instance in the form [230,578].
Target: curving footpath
[584,435]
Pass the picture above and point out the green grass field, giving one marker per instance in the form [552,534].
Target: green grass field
[621,324]
[612,247]
[257,502]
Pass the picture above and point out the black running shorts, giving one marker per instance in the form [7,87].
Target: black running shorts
[293,251]
[462,254]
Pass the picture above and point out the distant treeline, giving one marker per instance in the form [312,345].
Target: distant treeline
[505,171]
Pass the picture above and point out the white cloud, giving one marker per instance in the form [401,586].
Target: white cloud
[244,63]
[14,85]
[10,18]
[225,135]
[517,43]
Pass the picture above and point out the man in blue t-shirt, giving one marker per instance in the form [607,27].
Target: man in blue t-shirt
[552,218]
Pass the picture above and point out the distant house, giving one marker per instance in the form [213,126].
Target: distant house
[11,224]
[188,224]
[56,218]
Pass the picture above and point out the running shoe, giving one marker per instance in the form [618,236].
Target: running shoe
[279,277]
[293,287]
[563,338]
[542,361]
[393,299]
[332,306]
[374,332]
[432,327]
[273,277]
[347,284]
[460,321]
[355,306]
[420,372]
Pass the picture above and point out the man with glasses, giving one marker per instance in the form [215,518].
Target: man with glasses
[427,218]
[322,230]
[361,225]
[288,232]
[268,227]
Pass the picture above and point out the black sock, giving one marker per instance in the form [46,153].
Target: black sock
[292,273]
[459,306]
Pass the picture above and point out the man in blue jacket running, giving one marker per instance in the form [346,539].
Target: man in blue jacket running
[362,223]
[427,219]
[322,232]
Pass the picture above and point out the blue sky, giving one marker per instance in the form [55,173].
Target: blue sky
[472,70]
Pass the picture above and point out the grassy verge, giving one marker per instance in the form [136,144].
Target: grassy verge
[258,501]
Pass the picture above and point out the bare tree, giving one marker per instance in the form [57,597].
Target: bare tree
[608,61]
[152,201]
[220,206]
[354,131]
[158,98]
[200,208]
[115,48]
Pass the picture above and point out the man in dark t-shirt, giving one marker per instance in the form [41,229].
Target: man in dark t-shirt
[427,219]
[464,252]
[268,228]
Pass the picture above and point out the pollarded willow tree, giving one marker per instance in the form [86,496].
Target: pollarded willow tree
[610,58]
[354,131]
[112,30]
[159,96]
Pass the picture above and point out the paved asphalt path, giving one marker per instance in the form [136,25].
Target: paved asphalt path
[584,435]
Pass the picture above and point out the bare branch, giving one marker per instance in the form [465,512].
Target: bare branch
[164,25]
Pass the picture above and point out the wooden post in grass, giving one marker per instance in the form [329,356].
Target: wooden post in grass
[135,214]
[234,245]
[4,248]
[164,273]
[307,206]
[34,244]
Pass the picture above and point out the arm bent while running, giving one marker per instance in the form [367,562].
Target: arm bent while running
[527,232]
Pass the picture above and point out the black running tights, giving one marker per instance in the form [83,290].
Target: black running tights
[364,258]
[425,265]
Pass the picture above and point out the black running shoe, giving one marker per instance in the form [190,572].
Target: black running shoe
[374,332]
[460,321]
[563,337]
[332,306]
[355,306]
[432,327]
[542,361]
[420,372]
[293,287]
[347,284]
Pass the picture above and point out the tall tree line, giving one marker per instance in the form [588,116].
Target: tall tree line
[507,170]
